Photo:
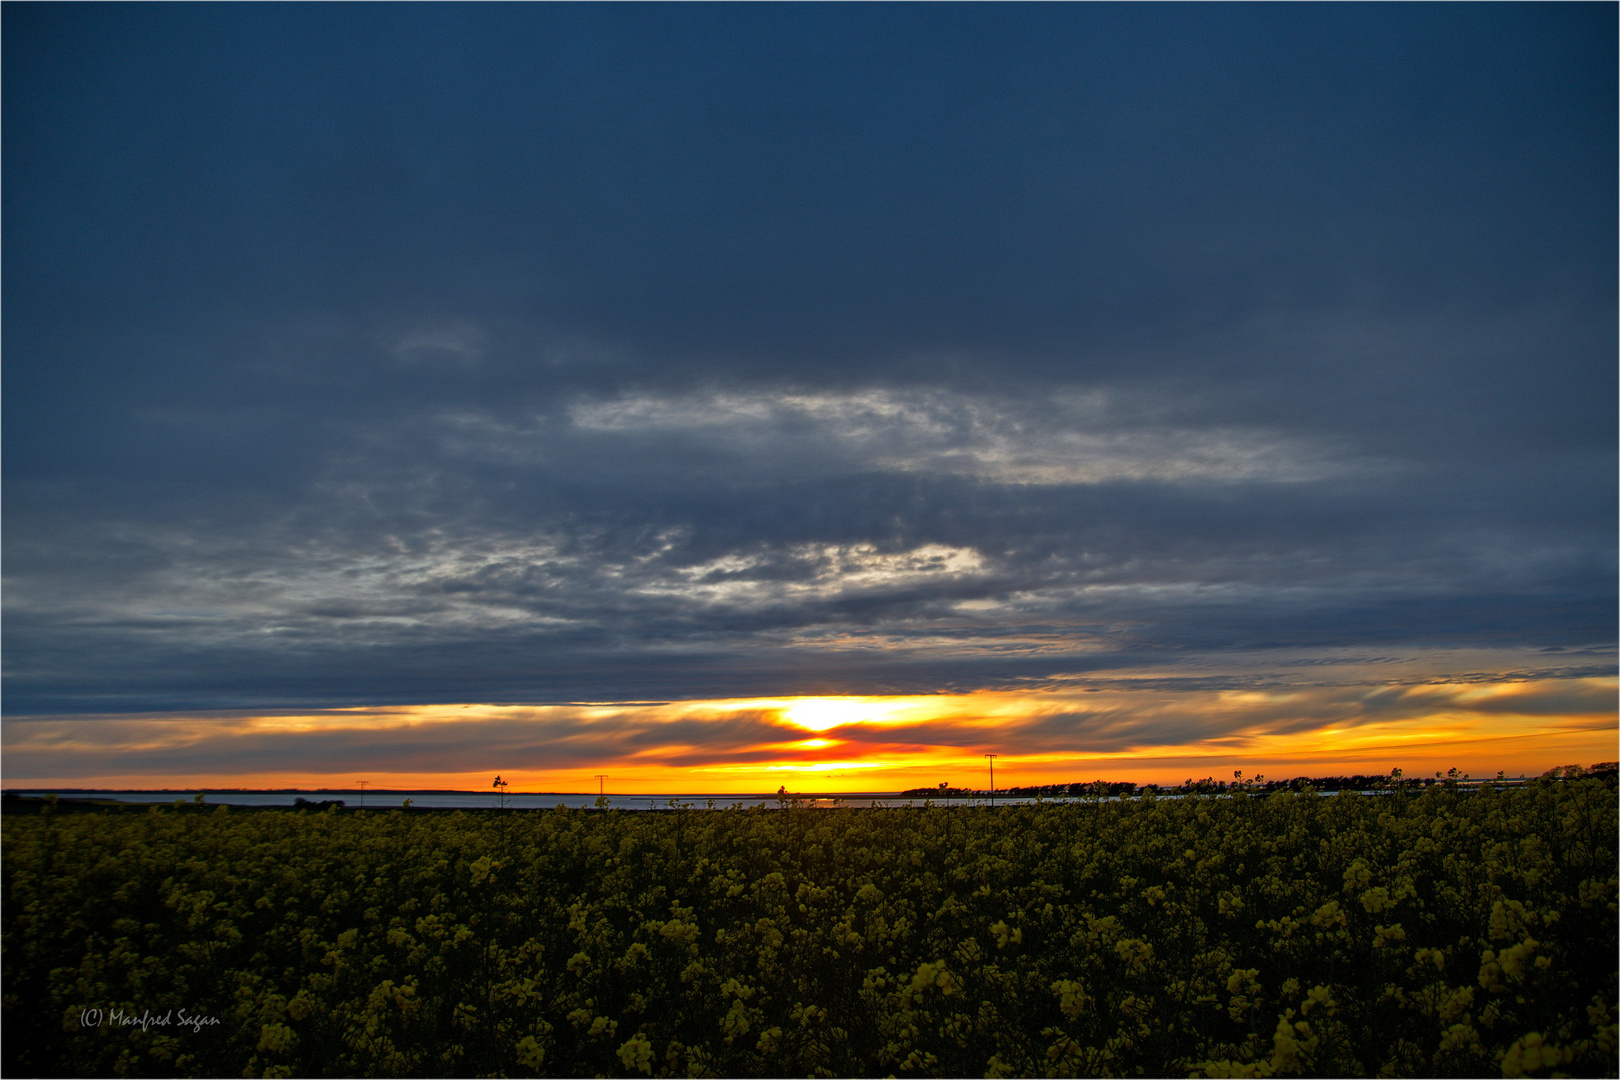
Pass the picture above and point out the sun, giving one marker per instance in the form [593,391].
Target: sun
[823,713]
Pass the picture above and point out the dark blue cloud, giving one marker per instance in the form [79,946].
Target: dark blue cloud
[433,353]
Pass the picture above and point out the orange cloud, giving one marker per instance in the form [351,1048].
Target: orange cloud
[845,743]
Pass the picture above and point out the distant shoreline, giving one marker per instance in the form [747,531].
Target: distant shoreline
[1079,789]
[1020,793]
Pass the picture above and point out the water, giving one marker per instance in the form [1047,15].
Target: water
[488,800]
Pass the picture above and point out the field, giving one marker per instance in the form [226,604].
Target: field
[1432,932]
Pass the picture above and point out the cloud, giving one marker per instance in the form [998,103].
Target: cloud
[1066,438]
[585,358]
[1054,733]
[460,343]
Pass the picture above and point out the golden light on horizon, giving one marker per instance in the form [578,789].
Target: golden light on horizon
[826,766]
[845,742]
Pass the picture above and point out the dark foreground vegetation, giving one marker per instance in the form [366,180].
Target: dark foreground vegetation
[1254,785]
[1434,931]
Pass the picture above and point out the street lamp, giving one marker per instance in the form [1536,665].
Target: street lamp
[992,758]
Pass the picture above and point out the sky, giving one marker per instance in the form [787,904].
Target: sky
[721,397]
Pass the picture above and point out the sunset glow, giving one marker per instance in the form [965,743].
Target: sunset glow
[873,743]
[737,397]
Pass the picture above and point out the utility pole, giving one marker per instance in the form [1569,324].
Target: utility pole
[362,784]
[992,758]
[601,778]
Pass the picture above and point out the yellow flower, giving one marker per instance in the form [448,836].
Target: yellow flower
[1530,1054]
[530,1053]
[1071,998]
[636,1053]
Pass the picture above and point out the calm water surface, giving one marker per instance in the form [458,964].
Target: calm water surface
[487,800]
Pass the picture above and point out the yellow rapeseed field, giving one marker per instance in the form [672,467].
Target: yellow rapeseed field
[1439,932]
